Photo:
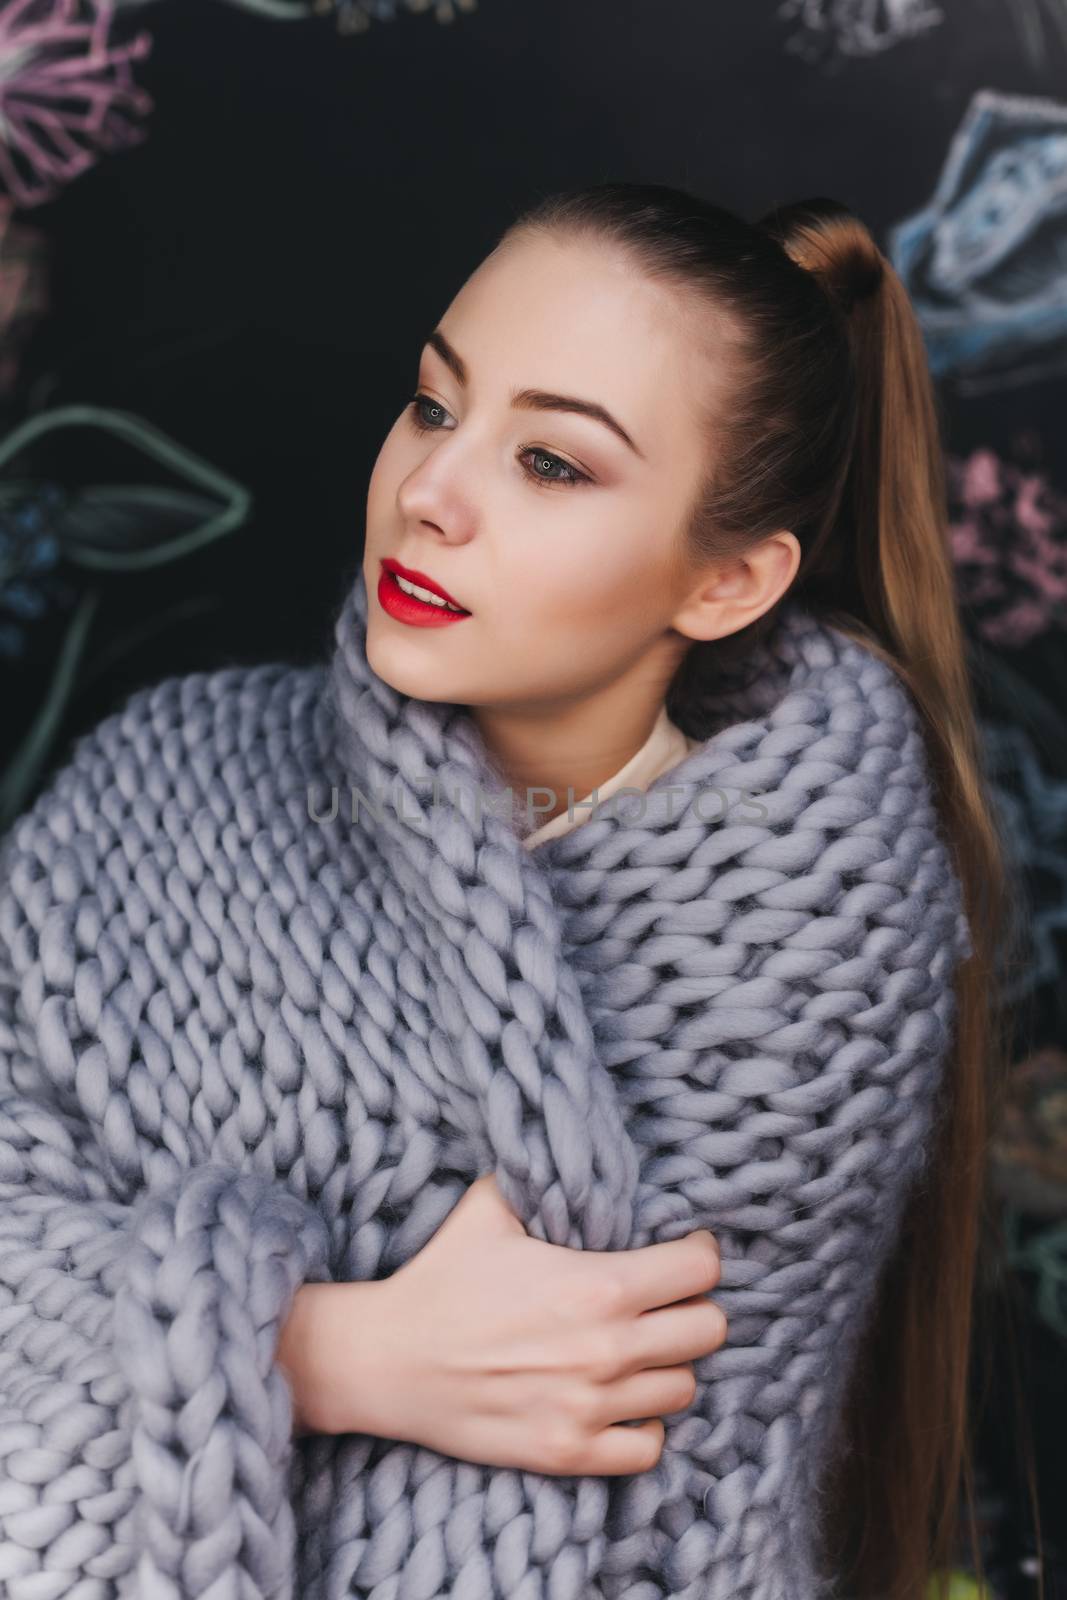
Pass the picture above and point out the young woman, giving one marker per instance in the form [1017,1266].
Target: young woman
[307,1111]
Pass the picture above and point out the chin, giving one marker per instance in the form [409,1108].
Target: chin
[391,662]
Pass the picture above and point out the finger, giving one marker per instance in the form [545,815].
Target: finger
[658,1274]
[674,1334]
[661,1391]
[625,1449]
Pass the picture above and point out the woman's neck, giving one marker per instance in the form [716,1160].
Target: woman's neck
[578,744]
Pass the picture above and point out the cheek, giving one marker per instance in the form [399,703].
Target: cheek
[381,489]
[399,455]
[605,554]
[607,573]
[573,591]
[554,591]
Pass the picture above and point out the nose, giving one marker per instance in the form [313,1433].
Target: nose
[428,501]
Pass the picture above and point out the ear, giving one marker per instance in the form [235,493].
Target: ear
[736,592]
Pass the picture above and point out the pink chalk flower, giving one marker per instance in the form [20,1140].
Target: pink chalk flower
[66,93]
[1008,530]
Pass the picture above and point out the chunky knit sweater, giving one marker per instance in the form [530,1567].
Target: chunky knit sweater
[258,1029]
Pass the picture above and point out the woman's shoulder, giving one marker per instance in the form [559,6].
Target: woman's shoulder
[195,721]
[180,765]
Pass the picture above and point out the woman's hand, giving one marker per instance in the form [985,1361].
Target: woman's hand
[500,1349]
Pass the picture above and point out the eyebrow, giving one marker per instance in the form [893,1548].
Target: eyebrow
[533,399]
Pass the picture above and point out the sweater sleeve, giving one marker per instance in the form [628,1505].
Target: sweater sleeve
[145,1426]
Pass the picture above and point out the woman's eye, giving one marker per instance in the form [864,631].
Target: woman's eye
[418,402]
[421,405]
[542,456]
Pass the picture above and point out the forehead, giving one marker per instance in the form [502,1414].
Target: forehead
[579,318]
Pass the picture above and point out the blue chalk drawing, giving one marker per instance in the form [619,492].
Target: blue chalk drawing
[985,261]
[1032,816]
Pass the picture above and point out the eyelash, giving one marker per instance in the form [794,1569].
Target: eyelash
[576,477]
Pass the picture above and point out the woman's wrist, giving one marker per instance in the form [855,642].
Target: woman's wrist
[334,1349]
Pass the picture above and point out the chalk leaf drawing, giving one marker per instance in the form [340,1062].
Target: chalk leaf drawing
[64,540]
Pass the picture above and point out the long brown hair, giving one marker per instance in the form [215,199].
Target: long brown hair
[832,430]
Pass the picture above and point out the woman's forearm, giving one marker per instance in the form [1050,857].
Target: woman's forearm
[334,1348]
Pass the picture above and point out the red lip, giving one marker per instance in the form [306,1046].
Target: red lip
[420,578]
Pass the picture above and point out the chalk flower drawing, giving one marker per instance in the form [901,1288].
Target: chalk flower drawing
[66,93]
[355,16]
[352,16]
[855,27]
[1008,531]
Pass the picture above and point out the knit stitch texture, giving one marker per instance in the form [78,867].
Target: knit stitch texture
[249,1041]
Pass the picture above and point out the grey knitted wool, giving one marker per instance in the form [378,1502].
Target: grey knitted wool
[247,1042]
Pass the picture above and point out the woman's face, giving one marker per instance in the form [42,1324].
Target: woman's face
[558,532]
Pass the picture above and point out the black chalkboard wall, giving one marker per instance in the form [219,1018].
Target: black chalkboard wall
[225,239]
